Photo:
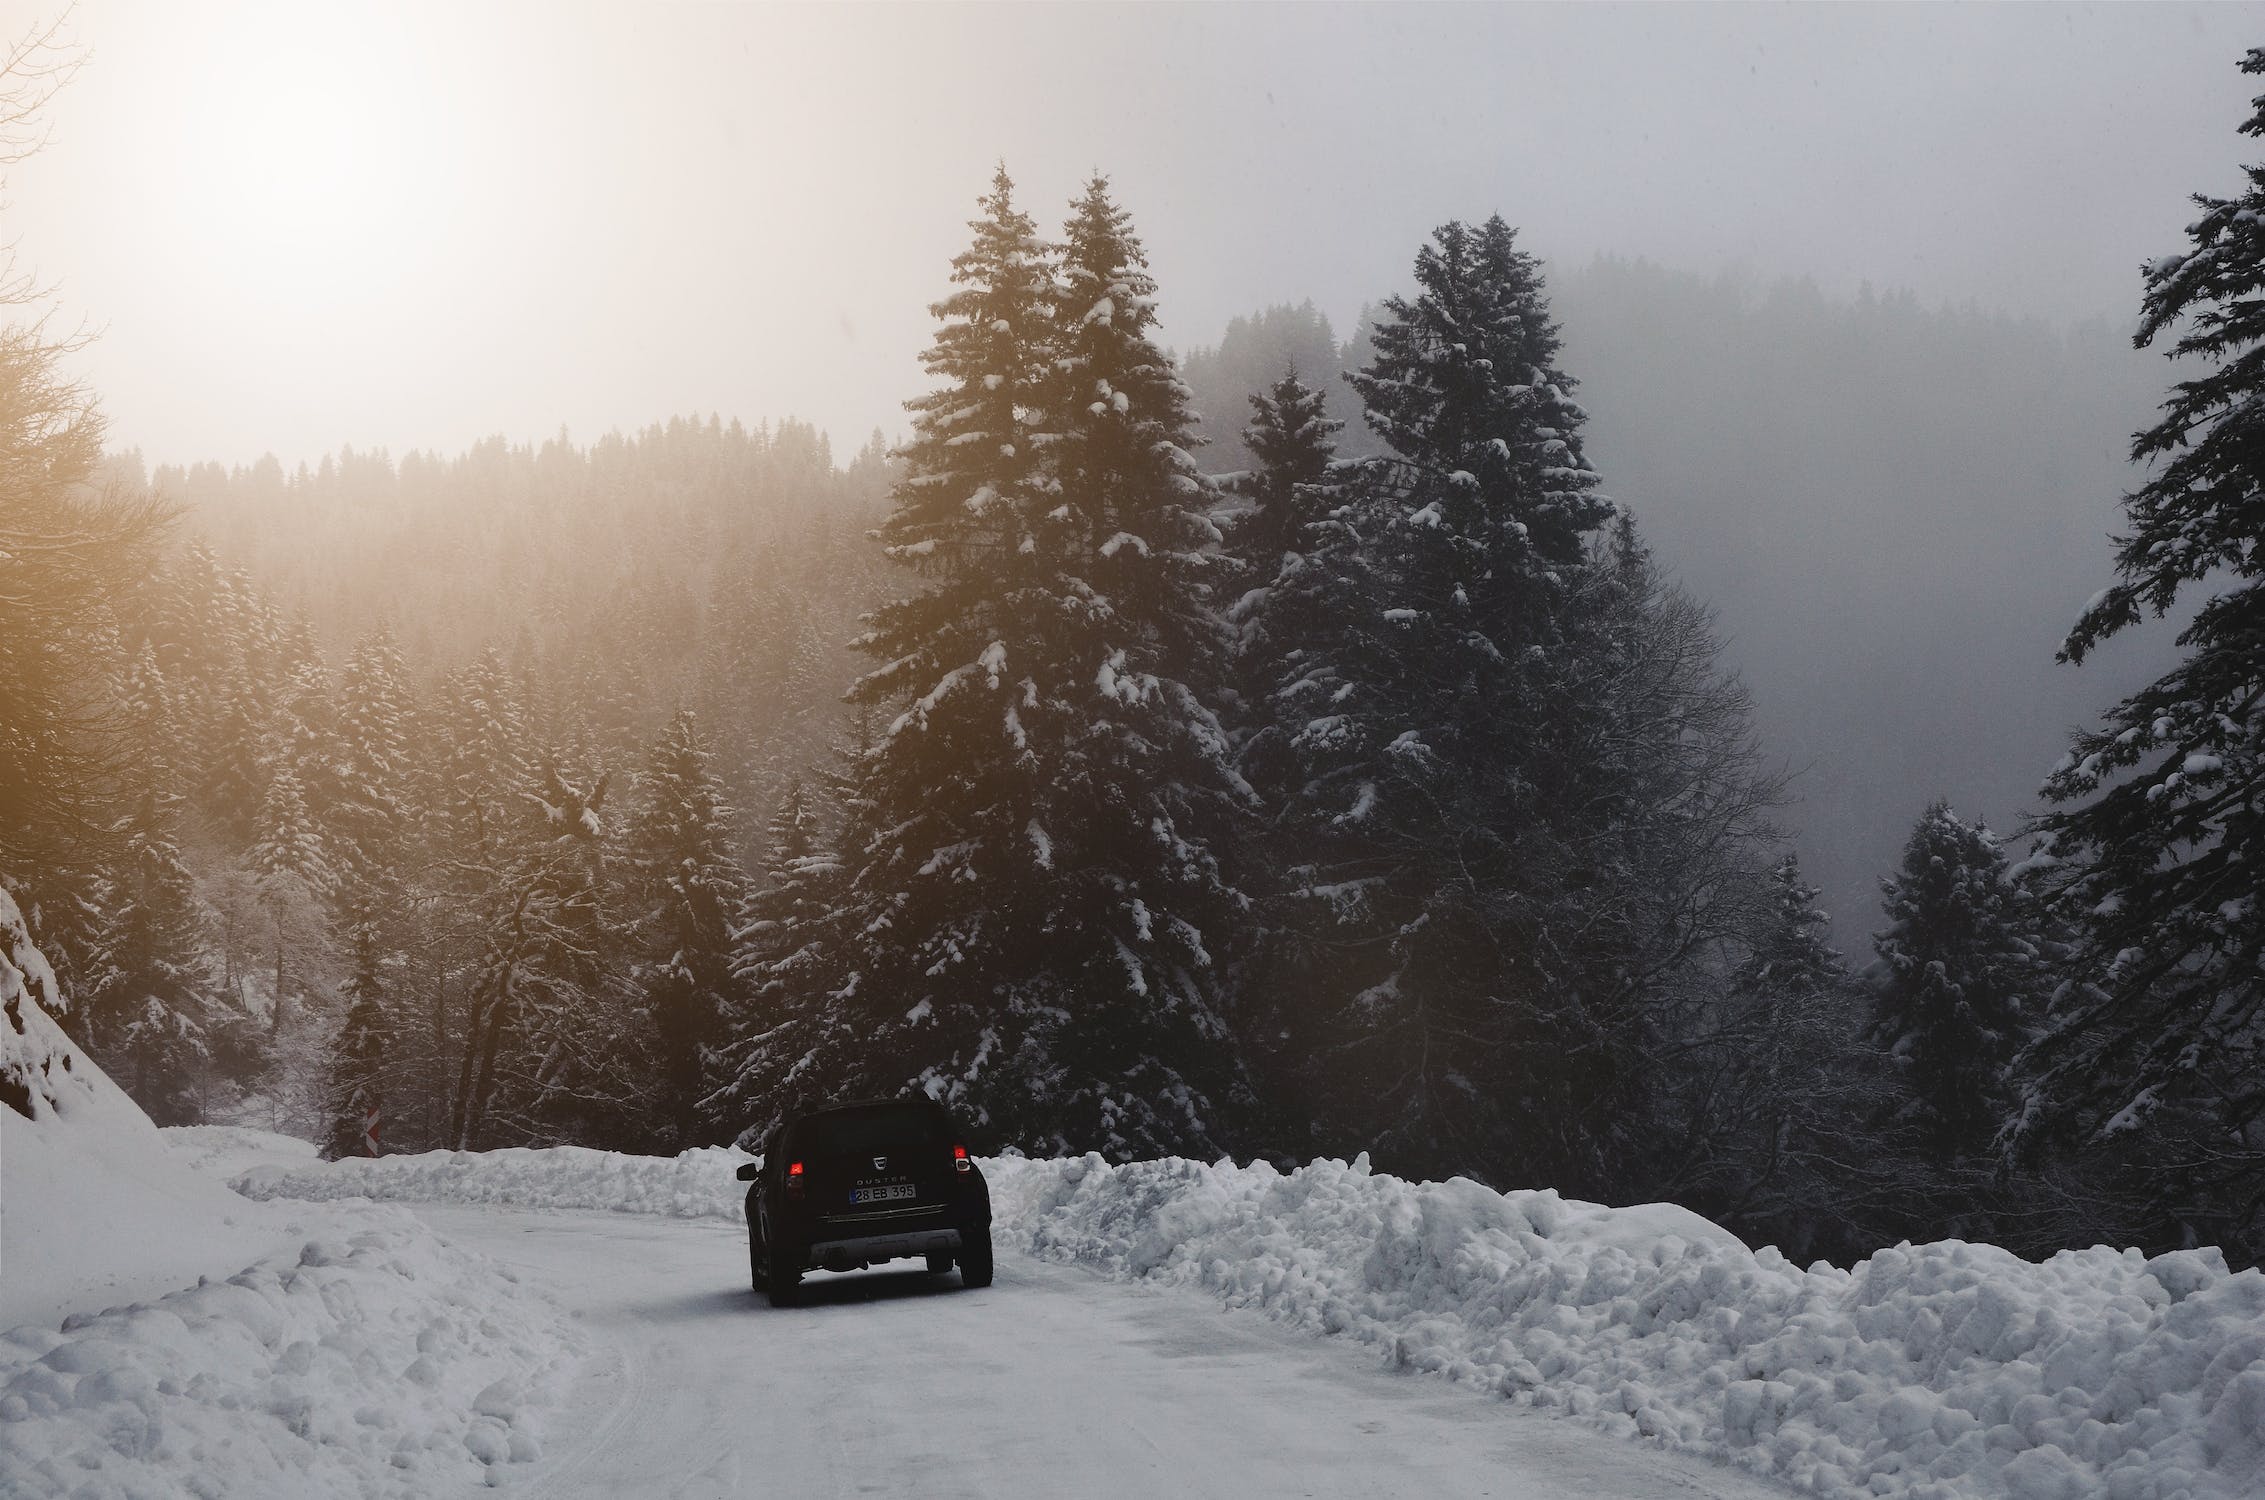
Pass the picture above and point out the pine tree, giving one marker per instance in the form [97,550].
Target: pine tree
[358,1057]
[690,909]
[292,873]
[1032,882]
[2158,835]
[1433,809]
[1964,982]
[1253,354]
[1291,444]
[467,780]
[548,1053]
[287,849]
[235,779]
[799,872]
[1778,1134]
[150,1008]
[303,735]
[156,1017]
[965,506]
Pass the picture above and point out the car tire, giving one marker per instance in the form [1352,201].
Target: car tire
[975,1259]
[756,1269]
[938,1264]
[783,1281]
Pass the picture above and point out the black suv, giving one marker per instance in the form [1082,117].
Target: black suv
[845,1187]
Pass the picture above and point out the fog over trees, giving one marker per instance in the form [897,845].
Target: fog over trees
[1894,512]
[1441,739]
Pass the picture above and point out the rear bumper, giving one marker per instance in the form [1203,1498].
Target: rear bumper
[862,1250]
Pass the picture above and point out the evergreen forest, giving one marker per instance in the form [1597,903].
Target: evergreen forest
[1301,746]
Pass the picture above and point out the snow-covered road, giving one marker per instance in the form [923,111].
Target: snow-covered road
[1052,1382]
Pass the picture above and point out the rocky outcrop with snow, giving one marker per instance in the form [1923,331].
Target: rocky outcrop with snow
[39,1071]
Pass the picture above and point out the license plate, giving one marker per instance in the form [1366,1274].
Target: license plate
[880,1194]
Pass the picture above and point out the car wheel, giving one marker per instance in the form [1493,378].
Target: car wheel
[939,1264]
[755,1265]
[782,1280]
[975,1259]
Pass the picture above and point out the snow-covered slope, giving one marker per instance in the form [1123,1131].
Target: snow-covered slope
[93,1208]
[359,1355]
[1928,1371]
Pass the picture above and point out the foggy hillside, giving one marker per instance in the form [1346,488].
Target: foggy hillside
[1896,513]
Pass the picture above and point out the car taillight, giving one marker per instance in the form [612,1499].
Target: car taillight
[960,1161]
[794,1177]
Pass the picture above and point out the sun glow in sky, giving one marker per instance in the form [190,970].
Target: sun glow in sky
[316,173]
[303,225]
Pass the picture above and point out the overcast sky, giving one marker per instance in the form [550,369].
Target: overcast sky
[300,226]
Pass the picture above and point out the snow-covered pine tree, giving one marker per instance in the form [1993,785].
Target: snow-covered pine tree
[357,1061]
[287,848]
[689,903]
[549,1053]
[1291,443]
[1252,354]
[482,761]
[1964,982]
[799,874]
[2156,844]
[366,832]
[375,710]
[1777,1132]
[1289,502]
[1431,804]
[1032,887]
[151,1010]
[234,771]
[963,508]
[293,873]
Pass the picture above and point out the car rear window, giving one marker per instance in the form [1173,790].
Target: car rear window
[862,1132]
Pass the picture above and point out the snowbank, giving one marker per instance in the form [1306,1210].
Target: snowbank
[1927,1372]
[94,1211]
[700,1184]
[386,1363]
[223,1151]
[1931,1371]
[370,1360]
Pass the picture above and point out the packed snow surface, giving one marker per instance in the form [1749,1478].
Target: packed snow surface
[1929,1371]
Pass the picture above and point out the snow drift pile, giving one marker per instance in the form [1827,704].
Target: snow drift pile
[1938,1370]
[224,1150]
[386,1363]
[359,1356]
[700,1184]
[1927,1372]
